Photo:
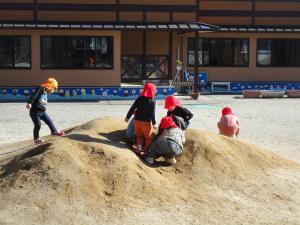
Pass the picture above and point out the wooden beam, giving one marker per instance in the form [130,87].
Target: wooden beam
[96,7]
[35,11]
[118,10]
[246,13]
[253,13]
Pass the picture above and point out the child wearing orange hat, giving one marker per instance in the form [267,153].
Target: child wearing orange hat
[169,143]
[144,109]
[229,125]
[37,105]
[175,108]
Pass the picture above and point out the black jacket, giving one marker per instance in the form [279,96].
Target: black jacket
[180,122]
[38,99]
[144,109]
[184,113]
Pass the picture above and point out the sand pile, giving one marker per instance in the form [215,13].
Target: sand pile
[91,177]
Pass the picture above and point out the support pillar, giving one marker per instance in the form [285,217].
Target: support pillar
[195,93]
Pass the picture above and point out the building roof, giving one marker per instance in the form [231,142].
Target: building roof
[180,27]
[260,29]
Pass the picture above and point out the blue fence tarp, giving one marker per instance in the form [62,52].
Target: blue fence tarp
[82,93]
[203,78]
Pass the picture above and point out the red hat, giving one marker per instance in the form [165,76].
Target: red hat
[167,122]
[172,101]
[149,90]
[227,111]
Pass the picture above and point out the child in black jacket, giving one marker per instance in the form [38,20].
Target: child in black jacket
[37,105]
[144,109]
[175,108]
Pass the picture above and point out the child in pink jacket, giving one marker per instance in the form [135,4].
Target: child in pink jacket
[229,125]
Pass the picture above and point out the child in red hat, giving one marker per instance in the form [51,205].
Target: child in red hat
[175,108]
[144,109]
[169,143]
[37,105]
[229,125]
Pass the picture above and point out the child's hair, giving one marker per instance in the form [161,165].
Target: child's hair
[149,90]
[50,84]
[172,101]
[227,111]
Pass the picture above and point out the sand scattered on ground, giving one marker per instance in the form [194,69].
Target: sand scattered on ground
[90,176]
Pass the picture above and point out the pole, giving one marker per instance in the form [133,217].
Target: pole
[195,93]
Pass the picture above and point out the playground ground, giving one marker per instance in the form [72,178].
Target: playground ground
[273,124]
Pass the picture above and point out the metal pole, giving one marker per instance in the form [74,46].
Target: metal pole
[144,70]
[170,60]
[195,93]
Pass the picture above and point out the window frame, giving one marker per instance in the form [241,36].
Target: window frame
[221,38]
[75,68]
[13,53]
[271,65]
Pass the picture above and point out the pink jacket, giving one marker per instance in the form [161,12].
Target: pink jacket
[229,125]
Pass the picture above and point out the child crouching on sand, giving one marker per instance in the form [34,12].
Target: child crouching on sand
[175,108]
[169,143]
[144,118]
[229,125]
[37,105]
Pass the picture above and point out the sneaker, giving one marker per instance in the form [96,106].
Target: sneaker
[59,133]
[137,147]
[38,141]
[149,160]
[172,161]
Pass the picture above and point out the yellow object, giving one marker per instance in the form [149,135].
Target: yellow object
[179,63]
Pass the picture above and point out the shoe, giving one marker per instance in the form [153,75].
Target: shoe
[149,160]
[38,141]
[59,133]
[172,161]
[138,150]
[137,147]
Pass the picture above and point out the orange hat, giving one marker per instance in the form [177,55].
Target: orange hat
[227,111]
[172,101]
[149,90]
[50,84]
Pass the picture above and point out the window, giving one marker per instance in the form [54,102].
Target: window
[219,52]
[15,52]
[278,52]
[156,67]
[76,52]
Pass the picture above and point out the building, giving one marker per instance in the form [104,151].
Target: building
[101,43]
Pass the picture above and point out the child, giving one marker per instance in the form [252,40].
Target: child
[144,117]
[130,132]
[175,108]
[37,105]
[229,124]
[169,144]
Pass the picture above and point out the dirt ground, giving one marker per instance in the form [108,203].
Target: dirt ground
[269,123]
[89,176]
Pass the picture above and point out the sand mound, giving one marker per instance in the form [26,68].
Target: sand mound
[91,177]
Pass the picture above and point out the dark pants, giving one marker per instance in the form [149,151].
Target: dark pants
[164,147]
[36,117]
